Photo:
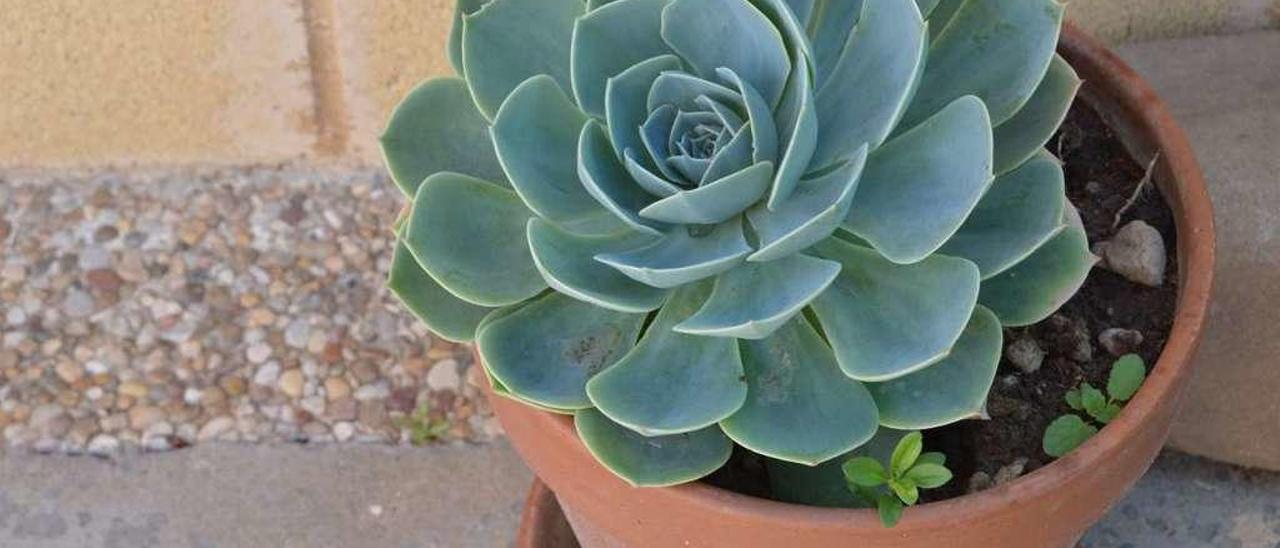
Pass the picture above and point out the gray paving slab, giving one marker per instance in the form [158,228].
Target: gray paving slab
[1226,92]
[1191,502]
[280,496]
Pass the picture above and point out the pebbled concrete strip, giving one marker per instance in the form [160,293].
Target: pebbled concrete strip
[222,495]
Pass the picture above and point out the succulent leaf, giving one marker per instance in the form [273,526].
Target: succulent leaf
[683,91]
[888,47]
[941,15]
[610,39]
[657,461]
[752,301]
[926,6]
[829,27]
[469,236]
[461,9]
[802,9]
[997,50]
[651,182]
[606,180]
[886,320]
[798,124]
[948,391]
[567,262]
[625,95]
[810,215]
[508,41]
[764,131]
[685,255]
[446,315]
[919,188]
[437,128]
[745,42]
[1034,288]
[673,383]
[536,135]
[733,157]
[1018,138]
[545,351]
[1022,210]
[800,407]
[714,202]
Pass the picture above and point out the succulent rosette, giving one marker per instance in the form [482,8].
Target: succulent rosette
[776,223]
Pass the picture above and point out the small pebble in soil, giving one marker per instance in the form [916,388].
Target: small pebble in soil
[979,481]
[1025,354]
[1119,342]
[1074,334]
[1011,471]
[1136,252]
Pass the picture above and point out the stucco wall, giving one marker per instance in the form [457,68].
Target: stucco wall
[86,83]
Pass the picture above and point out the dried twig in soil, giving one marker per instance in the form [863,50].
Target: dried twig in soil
[1137,192]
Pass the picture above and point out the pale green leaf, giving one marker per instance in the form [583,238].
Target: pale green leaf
[754,299]
[437,128]
[829,27]
[545,351]
[567,262]
[1126,377]
[1065,434]
[920,187]
[997,50]
[810,215]
[1033,289]
[929,475]
[536,135]
[714,202]
[686,254]
[625,105]
[905,454]
[461,8]
[1018,138]
[652,461]
[764,130]
[609,40]
[797,122]
[608,182]
[953,389]
[864,471]
[733,34]
[871,83]
[469,236]
[886,320]
[442,313]
[800,407]
[1019,213]
[508,41]
[671,382]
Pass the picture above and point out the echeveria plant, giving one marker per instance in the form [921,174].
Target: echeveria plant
[776,223]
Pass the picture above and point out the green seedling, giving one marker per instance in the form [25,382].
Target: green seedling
[423,428]
[1069,431]
[892,488]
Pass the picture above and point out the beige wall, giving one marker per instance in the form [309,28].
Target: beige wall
[88,83]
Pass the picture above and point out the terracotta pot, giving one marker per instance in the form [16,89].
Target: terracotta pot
[1052,506]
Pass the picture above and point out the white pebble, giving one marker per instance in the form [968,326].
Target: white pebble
[343,431]
[103,445]
[258,352]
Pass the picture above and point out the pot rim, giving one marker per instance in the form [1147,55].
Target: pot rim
[1135,100]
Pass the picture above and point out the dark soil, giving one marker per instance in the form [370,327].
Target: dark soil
[1101,177]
